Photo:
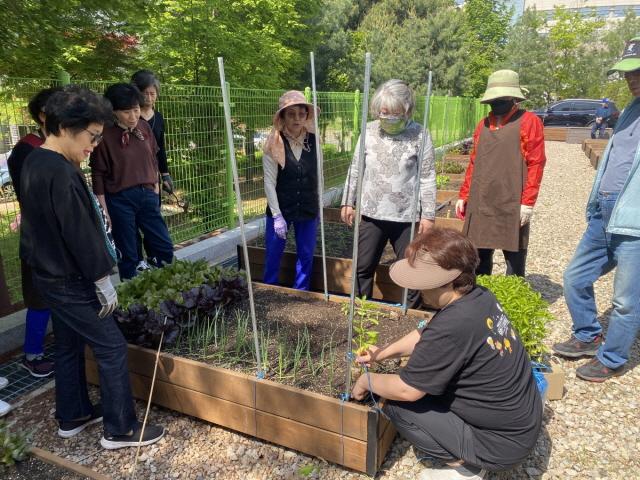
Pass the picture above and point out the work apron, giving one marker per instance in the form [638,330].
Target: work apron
[492,216]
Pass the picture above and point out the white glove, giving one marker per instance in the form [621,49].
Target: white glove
[525,214]
[460,208]
[106,295]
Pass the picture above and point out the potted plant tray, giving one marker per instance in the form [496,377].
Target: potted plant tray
[348,434]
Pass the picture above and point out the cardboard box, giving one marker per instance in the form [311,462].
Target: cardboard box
[555,382]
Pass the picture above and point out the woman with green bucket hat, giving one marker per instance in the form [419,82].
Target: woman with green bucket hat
[503,178]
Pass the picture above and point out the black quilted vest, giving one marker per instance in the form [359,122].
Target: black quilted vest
[297,184]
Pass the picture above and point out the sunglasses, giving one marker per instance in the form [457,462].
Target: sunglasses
[95,137]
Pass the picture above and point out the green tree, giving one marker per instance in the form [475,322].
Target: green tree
[255,37]
[88,38]
[526,52]
[486,28]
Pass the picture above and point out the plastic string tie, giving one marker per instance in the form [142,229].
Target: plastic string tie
[538,375]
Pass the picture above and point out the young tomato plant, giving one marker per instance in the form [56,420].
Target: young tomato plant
[365,317]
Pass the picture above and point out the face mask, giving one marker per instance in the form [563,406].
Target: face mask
[393,125]
[501,107]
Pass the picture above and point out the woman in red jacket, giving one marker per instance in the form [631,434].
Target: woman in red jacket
[503,178]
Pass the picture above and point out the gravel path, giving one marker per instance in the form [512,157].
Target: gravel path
[592,433]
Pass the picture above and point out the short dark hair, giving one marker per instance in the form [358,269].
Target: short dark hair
[144,79]
[75,108]
[38,102]
[123,96]
[451,250]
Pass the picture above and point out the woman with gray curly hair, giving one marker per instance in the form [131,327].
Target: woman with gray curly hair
[391,175]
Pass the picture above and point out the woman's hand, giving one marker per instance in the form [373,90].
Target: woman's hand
[425,225]
[461,206]
[368,357]
[360,388]
[346,215]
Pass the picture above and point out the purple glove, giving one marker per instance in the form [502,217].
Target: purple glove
[280,226]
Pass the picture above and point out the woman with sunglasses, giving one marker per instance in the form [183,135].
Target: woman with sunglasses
[391,176]
[71,270]
[124,174]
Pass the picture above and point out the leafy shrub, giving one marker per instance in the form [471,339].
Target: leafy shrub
[14,447]
[525,307]
[442,181]
[463,148]
[450,167]
[173,298]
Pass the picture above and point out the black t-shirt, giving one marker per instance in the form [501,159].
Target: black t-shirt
[156,122]
[472,359]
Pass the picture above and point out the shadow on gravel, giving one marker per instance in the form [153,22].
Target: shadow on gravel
[549,289]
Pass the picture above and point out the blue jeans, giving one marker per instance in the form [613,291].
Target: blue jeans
[35,330]
[598,253]
[305,231]
[132,209]
[74,314]
[599,128]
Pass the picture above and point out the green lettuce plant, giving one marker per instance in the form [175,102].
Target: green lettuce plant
[14,447]
[365,317]
[527,310]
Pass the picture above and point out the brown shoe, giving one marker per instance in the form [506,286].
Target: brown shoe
[574,348]
[596,371]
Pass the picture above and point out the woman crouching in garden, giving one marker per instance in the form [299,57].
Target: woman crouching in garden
[460,399]
[290,164]
[391,175]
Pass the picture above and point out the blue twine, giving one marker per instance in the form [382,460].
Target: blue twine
[260,375]
[344,396]
[422,323]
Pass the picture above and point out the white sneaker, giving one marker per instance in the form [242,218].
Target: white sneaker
[4,408]
[142,266]
[452,473]
[3,382]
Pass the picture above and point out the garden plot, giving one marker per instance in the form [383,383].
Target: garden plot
[209,368]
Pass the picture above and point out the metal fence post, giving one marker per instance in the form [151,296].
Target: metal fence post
[63,77]
[231,213]
[356,118]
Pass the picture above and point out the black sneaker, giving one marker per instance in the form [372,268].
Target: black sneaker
[152,433]
[574,348]
[74,427]
[39,367]
[596,371]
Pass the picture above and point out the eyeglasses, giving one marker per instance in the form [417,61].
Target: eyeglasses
[95,137]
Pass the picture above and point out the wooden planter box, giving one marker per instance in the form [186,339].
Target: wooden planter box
[348,434]
[593,149]
[338,269]
[555,134]
[456,157]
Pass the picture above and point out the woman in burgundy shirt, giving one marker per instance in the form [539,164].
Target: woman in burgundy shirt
[124,172]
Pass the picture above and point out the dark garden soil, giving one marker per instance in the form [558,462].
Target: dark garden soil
[303,341]
[338,239]
[35,469]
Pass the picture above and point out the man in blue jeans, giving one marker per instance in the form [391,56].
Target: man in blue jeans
[603,112]
[612,240]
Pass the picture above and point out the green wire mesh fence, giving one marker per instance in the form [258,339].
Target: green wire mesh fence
[198,157]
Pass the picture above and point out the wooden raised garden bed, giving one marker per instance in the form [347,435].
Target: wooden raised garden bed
[348,434]
[338,268]
[555,134]
[456,157]
[593,149]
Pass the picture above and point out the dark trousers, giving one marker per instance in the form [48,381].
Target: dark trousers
[433,429]
[600,128]
[74,313]
[132,209]
[515,262]
[373,237]
[305,232]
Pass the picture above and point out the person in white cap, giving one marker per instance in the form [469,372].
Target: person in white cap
[4,406]
[503,178]
[467,395]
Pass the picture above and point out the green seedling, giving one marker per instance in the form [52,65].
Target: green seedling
[365,316]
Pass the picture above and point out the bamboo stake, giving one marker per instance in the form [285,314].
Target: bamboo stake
[320,163]
[416,192]
[245,251]
[356,227]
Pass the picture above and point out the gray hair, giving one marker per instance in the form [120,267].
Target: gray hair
[394,95]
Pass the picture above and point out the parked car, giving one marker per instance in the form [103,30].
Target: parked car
[575,112]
